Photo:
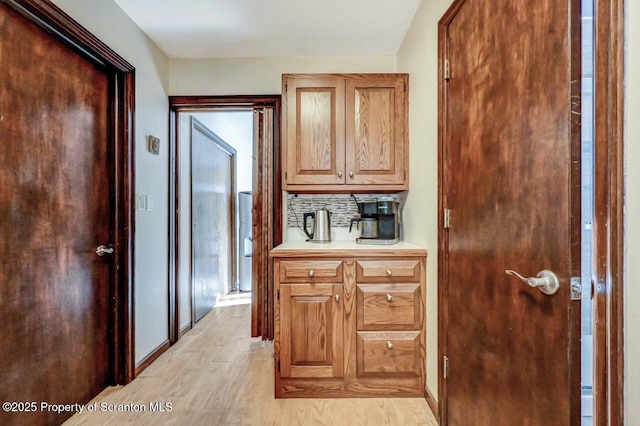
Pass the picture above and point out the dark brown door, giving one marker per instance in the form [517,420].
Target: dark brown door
[508,141]
[212,218]
[55,208]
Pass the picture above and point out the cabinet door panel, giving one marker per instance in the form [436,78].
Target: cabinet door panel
[314,129]
[375,130]
[311,330]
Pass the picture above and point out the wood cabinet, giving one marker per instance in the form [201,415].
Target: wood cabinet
[345,132]
[349,323]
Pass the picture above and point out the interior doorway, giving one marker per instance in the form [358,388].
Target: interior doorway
[212,196]
[260,177]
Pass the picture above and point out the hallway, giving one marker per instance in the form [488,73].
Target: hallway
[217,375]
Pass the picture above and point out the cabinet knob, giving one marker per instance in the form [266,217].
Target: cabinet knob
[339,174]
[337,297]
[389,273]
[311,273]
[389,298]
[389,344]
[350,173]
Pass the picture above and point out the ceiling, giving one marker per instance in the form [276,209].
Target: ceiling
[273,28]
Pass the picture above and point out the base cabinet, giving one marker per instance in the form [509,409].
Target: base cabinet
[349,326]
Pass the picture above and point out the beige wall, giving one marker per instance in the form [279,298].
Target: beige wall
[110,24]
[262,76]
[632,233]
[419,57]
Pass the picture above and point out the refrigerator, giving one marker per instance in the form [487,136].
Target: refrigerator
[245,206]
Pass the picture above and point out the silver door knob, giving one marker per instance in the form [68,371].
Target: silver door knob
[389,344]
[103,250]
[389,272]
[339,174]
[311,273]
[350,173]
[337,297]
[546,281]
[389,298]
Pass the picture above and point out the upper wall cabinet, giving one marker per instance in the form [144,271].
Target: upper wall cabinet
[345,133]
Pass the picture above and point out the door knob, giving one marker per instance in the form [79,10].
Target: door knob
[546,281]
[103,250]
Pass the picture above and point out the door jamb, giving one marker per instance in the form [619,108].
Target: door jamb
[608,226]
[121,122]
[201,103]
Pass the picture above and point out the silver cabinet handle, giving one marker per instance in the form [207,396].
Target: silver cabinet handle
[311,273]
[546,281]
[350,173]
[389,298]
[389,344]
[337,297]
[103,250]
[340,174]
[389,272]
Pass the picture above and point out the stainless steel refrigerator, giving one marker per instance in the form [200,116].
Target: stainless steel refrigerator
[245,205]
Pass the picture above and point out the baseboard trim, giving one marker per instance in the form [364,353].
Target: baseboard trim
[153,355]
[433,404]
[184,330]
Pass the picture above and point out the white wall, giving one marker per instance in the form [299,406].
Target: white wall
[111,25]
[418,56]
[262,76]
[236,129]
[632,233]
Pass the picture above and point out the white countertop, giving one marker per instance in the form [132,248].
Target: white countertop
[343,245]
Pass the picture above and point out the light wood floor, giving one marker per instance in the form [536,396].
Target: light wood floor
[217,375]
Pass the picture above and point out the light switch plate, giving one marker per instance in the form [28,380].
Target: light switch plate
[150,203]
[153,145]
[141,202]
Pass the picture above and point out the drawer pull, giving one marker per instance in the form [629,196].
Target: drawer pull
[311,273]
[337,297]
[389,344]
[389,298]
[389,273]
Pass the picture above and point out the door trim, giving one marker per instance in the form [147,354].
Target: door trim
[201,103]
[608,226]
[121,75]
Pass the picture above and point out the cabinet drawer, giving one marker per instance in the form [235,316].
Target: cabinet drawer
[388,271]
[388,306]
[326,271]
[388,354]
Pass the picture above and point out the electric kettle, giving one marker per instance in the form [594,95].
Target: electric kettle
[321,226]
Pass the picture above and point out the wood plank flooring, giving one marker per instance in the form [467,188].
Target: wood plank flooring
[217,375]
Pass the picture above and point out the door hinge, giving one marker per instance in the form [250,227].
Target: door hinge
[447,218]
[576,288]
[404,86]
[447,70]
[285,86]
[405,175]
[278,366]
[286,174]
[278,294]
[445,367]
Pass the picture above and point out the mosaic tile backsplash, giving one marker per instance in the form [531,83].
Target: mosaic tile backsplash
[343,207]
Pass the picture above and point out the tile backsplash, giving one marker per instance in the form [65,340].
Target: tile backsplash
[343,207]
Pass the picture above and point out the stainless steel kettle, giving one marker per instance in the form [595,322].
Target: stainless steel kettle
[321,226]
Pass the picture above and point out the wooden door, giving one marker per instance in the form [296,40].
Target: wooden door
[376,129]
[510,179]
[56,207]
[212,218]
[311,330]
[314,130]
